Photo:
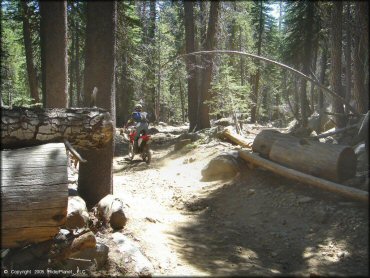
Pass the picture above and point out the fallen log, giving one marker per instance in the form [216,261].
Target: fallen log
[329,161]
[236,138]
[337,131]
[84,128]
[346,191]
[265,139]
[34,194]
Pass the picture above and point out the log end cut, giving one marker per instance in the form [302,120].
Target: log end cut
[34,194]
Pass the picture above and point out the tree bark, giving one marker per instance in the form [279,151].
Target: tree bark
[306,62]
[207,72]
[336,60]
[77,67]
[31,70]
[265,139]
[54,53]
[256,77]
[34,194]
[347,55]
[360,91]
[324,59]
[190,64]
[83,128]
[329,161]
[95,176]
[72,71]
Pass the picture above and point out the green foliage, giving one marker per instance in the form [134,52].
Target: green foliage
[13,61]
[228,95]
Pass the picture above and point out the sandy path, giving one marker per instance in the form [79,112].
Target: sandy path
[255,224]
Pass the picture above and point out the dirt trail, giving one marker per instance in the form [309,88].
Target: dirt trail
[255,224]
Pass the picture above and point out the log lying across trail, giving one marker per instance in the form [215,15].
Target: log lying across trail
[34,194]
[84,128]
[305,178]
[329,161]
[265,139]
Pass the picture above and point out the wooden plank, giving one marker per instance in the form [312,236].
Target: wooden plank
[346,191]
[11,238]
[34,218]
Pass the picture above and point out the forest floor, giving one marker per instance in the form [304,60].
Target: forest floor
[257,223]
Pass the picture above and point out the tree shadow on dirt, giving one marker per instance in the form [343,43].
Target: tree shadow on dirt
[262,224]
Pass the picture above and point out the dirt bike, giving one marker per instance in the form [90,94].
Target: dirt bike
[143,145]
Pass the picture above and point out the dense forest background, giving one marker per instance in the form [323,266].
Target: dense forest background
[327,41]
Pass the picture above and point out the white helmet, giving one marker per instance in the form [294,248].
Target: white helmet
[138,107]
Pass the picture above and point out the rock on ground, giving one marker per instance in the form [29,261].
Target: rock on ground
[220,167]
[131,255]
[110,210]
[77,215]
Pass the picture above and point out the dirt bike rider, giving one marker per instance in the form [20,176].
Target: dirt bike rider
[141,122]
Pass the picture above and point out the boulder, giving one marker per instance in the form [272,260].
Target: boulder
[96,256]
[130,254]
[110,210]
[221,167]
[77,215]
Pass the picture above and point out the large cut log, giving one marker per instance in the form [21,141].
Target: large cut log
[264,140]
[34,194]
[346,191]
[329,161]
[236,138]
[84,128]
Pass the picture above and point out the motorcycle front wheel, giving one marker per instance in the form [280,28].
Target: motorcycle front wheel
[146,154]
[131,152]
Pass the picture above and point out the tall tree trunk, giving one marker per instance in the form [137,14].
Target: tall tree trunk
[72,71]
[336,60]
[347,55]
[151,71]
[307,61]
[31,70]
[256,77]
[324,59]
[95,176]
[157,92]
[77,67]
[54,59]
[312,86]
[207,72]
[190,64]
[242,59]
[360,91]
[182,101]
